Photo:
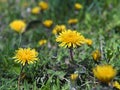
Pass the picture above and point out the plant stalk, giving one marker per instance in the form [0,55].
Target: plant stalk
[71,54]
[19,79]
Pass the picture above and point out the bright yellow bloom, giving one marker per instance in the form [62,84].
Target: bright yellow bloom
[78,6]
[26,56]
[18,26]
[35,10]
[42,42]
[43,5]
[104,73]
[48,23]
[116,85]
[58,29]
[74,76]
[72,21]
[96,55]
[70,38]
[89,42]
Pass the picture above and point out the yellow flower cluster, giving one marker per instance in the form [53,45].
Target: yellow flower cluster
[42,42]
[58,29]
[35,10]
[96,55]
[116,85]
[18,26]
[104,73]
[25,56]
[48,23]
[43,5]
[72,21]
[70,38]
[78,6]
[89,42]
[74,76]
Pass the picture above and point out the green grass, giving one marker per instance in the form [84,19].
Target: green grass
[98,21]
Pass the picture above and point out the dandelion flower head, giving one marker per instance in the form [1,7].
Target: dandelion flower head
[96,55]
[72,21]
[116,85]
[42,42]
[78,6]
[104,73]
[58,29]
[26,56]
[89,42]
[43,5]
[35,10]
[18,25]
[70,38]
[74,76]
[48,23]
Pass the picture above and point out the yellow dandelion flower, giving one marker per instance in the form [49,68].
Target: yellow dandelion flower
[74,76]
[116,85]
[58,29]
[70,38]
[72,21]
[104,73]
[25,56]
[78,6]
[35,10]
[18,26]
[96,55]
[42,42]
[48,23]
[89,42]
[43,5]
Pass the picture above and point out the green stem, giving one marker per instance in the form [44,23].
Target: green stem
[19,79]
[20,39]
[71,54]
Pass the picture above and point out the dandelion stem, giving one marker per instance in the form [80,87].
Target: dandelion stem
[19,79]
[20,39]
[71,54]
